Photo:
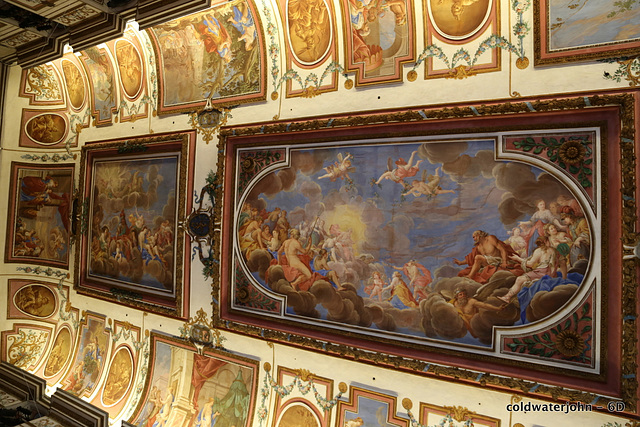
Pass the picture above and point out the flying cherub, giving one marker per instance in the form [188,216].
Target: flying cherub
[339,169]
[403,169]
[429,185]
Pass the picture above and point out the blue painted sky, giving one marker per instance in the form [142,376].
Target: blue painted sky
[396,228]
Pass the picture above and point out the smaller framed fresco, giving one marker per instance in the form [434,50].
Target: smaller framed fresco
[45,129]
[571,31]
[216,55]
[367,407]
[131,248]
[90,357]
[190,389]
[378,40]
[296,409]
[39,214]
[30,299]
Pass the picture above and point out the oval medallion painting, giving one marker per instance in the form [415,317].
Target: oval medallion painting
[130,66]
[46,129]
[75,84]
[458,19]
[119,378]
[35,300]
[309,23]
[59,355]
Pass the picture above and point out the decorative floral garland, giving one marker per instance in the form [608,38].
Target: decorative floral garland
[45,157]
[628,69]
[311,84]
[153,78]
[48,271]
[303,381]
[520,30]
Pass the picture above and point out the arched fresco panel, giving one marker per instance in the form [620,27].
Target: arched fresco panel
[74,81]
[310,34]
[378,39]
[60,353]
[462,32]
[458,19]
[216,54]
[131,67]
[119,378]
[104,94]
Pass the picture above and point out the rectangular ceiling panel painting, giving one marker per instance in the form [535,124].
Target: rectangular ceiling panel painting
[39,214]
[483,244]
[379,38]
[131,248]
[217,54]
[187,388]
[580,30]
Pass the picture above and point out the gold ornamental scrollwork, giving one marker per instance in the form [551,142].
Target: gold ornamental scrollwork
[201,332]
[304,374]
[208,120]
[459,413]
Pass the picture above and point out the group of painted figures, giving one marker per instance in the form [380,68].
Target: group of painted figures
[550,243]
[36,195]
[134,241]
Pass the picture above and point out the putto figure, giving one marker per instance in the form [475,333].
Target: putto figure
[402,170]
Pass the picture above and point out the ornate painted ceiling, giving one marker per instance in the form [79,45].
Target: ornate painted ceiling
[35,31]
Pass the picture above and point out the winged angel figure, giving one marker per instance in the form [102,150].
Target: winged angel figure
[429,186]
[339,169]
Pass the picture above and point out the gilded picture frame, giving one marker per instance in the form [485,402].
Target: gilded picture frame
[131,249]
[40,207]
[365,225]
[226,43]
[211,385]
[564,31]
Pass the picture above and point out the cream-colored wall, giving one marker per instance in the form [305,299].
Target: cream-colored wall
[530,82]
